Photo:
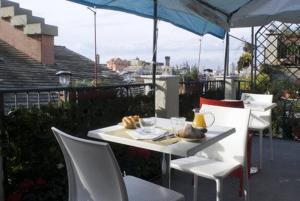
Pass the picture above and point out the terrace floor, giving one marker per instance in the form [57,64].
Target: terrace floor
[279,180]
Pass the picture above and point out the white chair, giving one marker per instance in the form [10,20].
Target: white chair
[259,121]
[94,174]
[220,159]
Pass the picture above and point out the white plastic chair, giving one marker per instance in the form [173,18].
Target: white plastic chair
[259,121]
[94,174]
[220,159]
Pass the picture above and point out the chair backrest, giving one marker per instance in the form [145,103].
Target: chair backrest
[224,103]
[259,98]
[93,172]
[232,148]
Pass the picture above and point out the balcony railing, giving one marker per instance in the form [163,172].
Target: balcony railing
[190,92]
[242,86]
[26,98]
[200,88]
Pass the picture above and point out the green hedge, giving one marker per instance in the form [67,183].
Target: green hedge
[34,161]
[34,165]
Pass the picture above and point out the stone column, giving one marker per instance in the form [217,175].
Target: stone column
[230,87]
[166,95]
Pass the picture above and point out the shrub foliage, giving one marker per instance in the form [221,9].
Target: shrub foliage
[34,165]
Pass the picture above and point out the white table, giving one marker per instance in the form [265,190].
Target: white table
[181,148]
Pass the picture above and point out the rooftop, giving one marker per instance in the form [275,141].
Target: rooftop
[17,70]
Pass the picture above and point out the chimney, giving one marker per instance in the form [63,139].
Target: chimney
[167,60]
[27,33]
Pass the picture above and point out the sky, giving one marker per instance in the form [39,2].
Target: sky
[129,36]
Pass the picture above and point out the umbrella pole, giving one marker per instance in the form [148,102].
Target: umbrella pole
[94,11]
[252,56]
[154,47]
[95,39]
[226,59]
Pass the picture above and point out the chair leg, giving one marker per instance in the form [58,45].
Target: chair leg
[246,184]
[195,195]
[271,142]
[219,192]
[260,148]
[241,185]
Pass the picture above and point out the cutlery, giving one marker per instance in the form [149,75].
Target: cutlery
[163,136]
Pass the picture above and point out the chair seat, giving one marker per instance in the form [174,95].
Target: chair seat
[258,127]
[258,122]
[141,190]
[255,125]
[204,167]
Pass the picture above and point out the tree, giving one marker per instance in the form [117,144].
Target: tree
[194,74]
[244,61]
[246,57]
[188,72]
[247,47]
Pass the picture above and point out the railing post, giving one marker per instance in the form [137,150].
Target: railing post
[166,95]
[38,99]
[1,104]
[229,86]
[2,161]
[201,89]
[230,90]
[27,99]
[238,91]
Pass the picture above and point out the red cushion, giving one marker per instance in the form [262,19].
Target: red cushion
[224,103]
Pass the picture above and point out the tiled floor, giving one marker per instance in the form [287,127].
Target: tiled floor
[279,179]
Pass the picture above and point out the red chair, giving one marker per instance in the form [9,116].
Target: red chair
[224,103]
[238,104]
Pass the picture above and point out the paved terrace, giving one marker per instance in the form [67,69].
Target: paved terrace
[279,179]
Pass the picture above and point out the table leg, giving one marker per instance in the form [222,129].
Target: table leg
[166,170]
[195,195]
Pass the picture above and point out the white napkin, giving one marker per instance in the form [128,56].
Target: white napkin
[139,134]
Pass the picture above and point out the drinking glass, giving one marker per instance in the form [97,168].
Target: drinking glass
[147,124]
[177,123]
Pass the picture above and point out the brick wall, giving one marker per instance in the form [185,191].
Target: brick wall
[47,49]
[39,48]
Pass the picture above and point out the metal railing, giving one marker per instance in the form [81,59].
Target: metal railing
[200,87]
[15,98]
[242,86]
[35,97]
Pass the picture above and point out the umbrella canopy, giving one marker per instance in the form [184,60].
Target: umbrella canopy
[207,16]
[181,13]
[262,12]
[248,13]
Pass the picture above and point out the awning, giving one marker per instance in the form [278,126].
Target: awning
[262,12]
[208,16]
[181,13]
